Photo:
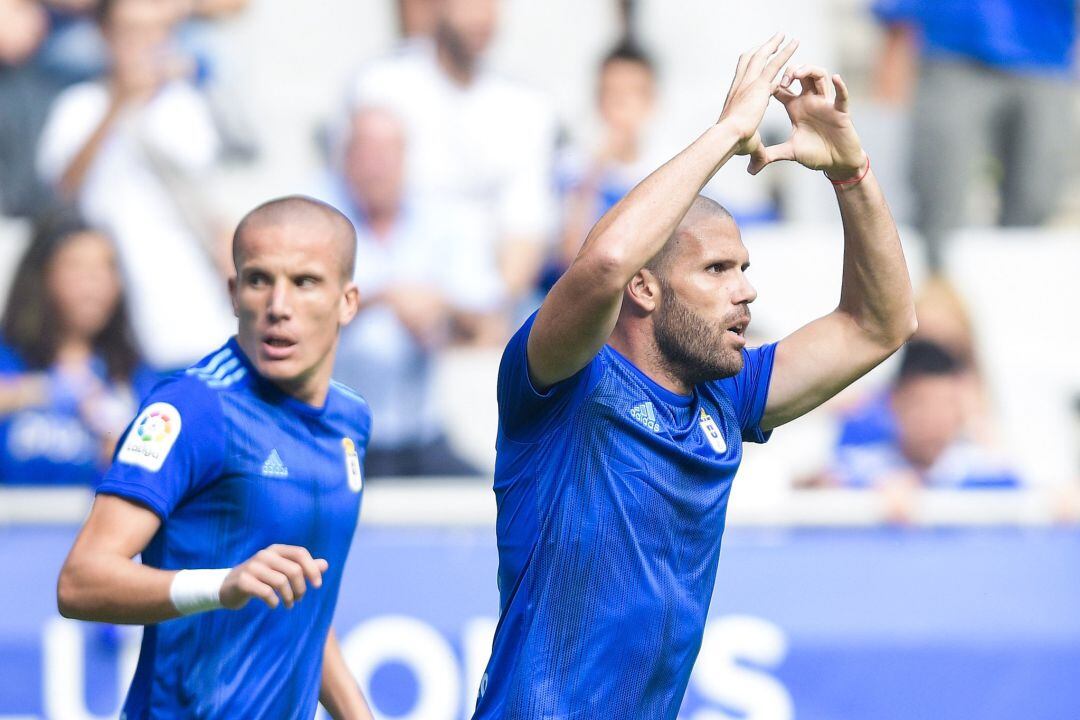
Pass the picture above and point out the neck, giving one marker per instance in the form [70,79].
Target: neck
[311,390]
[626,151]
[460,68]
[637,345]
[310,387]
[72,350]
[381,220]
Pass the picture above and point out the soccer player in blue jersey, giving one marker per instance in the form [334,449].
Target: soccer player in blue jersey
[624,402]
[240,480]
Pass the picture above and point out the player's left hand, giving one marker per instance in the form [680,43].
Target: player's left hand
[822,134]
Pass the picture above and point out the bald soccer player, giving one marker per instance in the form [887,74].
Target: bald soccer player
[624,402]
[240,481]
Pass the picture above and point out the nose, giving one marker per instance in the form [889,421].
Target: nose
[745,292]
[280,306]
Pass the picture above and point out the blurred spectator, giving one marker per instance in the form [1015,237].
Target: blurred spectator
[993,82]
[70,376]
[421,285]
[223,73]
[25,94]
[625,98]
[476,141]
[417,18]
[913,436]
[132,149]
[73,50]
[944,319]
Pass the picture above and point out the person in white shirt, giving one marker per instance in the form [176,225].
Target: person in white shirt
[423,284]
[130,149]
[476,140]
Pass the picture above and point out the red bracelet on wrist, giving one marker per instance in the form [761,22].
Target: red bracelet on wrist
[853,180]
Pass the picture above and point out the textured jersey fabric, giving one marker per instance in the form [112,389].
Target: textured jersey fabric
[233,465]
[611,494]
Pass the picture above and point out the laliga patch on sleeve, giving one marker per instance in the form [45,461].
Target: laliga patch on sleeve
[151,437]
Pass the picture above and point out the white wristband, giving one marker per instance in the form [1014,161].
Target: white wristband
[195,591]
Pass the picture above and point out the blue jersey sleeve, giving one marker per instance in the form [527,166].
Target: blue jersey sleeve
[749,389]
[524,411]
[175,446]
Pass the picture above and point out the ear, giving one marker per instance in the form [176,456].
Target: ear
[643,290]
[350,303]
[232,296]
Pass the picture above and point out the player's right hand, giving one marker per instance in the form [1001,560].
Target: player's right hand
[277,574]
[754,83]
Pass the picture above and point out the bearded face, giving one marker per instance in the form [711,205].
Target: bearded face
[694,349]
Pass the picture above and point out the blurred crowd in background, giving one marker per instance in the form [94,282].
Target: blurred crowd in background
[473,143]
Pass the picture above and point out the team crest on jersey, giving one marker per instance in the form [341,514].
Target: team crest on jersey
[352,465]
[151,437]
[712,432]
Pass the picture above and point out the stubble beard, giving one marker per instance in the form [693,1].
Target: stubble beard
[691,348]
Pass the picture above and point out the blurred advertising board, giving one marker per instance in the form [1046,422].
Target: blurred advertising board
[814,624]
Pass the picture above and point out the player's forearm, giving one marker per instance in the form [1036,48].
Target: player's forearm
[876,289]
[338,691]
[106,588]
[633,231]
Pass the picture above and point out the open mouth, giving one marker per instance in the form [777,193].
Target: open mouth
[739,329]
[277,347]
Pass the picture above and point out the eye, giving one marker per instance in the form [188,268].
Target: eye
[258,279]
[306,281]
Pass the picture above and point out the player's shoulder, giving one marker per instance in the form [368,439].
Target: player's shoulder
[185,395]
[198,389]
[354,403]
[223,370]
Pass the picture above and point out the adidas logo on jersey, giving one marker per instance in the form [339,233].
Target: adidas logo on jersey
[274,467]
[645,414]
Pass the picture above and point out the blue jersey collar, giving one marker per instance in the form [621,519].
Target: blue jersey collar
[276,394]
[666,395]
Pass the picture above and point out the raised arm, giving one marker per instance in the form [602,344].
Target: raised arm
[876,314]
[579,313]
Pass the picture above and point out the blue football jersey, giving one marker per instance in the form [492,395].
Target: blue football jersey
[612,493]
[231,464]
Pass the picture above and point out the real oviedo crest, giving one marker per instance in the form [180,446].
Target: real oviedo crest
[352,465]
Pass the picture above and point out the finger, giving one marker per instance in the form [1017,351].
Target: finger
[842,95]
[278,581]
[254,587]
[784,94]
[758,160]
[812,79]
[740,73]
[781,58]
[312,570]
[757,60]
[294,572]
[771,154]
